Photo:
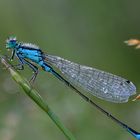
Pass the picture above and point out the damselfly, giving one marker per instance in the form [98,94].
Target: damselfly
[101,84]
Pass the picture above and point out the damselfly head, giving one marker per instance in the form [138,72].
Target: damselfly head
[11,43]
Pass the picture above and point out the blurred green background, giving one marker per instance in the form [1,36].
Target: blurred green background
[88,32]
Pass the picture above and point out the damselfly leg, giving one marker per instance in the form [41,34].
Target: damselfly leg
[20,66]
[34,68]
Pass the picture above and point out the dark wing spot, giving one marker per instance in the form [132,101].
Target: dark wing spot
[128,81]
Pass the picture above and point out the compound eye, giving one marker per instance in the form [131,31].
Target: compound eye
[12,41]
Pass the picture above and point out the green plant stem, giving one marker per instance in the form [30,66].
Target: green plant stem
[34,95]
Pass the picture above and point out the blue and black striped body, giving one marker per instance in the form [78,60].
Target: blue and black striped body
[28,53]
[32,53]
